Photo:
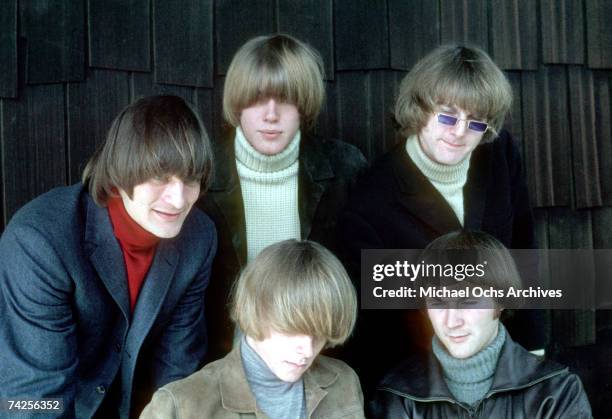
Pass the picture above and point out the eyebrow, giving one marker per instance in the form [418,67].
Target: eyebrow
[455,110]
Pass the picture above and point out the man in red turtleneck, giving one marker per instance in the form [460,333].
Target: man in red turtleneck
[102,283]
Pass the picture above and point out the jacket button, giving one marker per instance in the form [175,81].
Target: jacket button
[101,390]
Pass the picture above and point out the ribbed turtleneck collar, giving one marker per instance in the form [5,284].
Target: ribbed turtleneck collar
[275,397]
[130,234]
[475,369]
[254,160]
[435,171]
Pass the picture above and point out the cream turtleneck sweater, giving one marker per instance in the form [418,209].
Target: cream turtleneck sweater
[270,193]
[448,180]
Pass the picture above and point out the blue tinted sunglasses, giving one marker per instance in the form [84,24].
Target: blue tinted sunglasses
[451,121]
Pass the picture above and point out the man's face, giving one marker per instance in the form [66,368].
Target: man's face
[287,356]
[463,331]
[161,206]
[270,125]
[448,144]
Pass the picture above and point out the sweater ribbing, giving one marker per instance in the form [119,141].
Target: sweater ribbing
[269,187]
[448,180]
[469,379]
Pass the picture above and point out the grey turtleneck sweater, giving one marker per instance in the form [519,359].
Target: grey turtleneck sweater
[469,379]
[275,397]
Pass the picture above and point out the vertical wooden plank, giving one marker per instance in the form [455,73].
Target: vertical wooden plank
[142,84]
[513,33]
[587,188]
[570,229]
[562,26]
[237,21]
[8,48]
[310,21]
[602,239]
[603,132]
[91,108]
[183,42]
[327,122]
[414,30]
[361,31]
[546,136]
[119,34]
[220,128]
[365,100]
[465,22]
[204,106]
[514,121]
[599,33]
[34,150]
[55,31]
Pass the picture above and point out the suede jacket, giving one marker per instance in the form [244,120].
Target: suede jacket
[220,390]
[327,172]
[524,386]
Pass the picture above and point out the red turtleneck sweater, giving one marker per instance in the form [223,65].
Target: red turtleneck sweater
[137,244]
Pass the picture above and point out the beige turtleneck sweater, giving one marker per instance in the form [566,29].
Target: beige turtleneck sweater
[270,193]
[448,180]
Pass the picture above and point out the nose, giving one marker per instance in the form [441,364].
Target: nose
[271,111]
[453,318]
[460,127]
[174,193]
[305,346]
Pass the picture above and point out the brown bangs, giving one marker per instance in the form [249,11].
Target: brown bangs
[467,92]
[453,75]
[155,137]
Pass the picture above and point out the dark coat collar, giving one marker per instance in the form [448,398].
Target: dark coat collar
[421,377]
[422,199]
[315,169]
[107,259]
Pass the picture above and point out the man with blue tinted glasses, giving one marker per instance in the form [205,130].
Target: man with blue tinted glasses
[455,169]
[475,369]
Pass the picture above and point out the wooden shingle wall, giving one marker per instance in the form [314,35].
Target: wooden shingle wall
[68,67]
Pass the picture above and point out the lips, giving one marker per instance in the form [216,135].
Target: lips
[297,364]
[167,215]
[457,338]
[452,145]
[270,134]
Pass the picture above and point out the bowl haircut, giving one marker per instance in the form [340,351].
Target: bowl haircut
[475,247]
[453,75]
[279,67]
[155,137]
[295,288]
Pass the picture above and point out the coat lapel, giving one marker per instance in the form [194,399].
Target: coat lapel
[475,190]
[314,171]
[228,196]
[105,255]
[419,196]
[154,290]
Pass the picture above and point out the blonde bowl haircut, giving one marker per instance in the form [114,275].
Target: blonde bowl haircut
[453,75]
[154,137]
[274,66]
[295,288]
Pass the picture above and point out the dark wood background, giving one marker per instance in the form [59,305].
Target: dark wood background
[68,67]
